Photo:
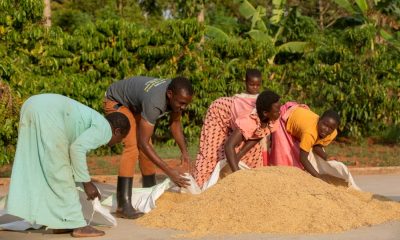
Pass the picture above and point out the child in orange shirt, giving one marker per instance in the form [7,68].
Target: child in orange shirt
[302,131]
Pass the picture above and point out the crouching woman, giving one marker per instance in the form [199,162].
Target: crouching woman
[55,133]
[232,133]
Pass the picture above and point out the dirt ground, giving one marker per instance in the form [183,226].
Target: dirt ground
[370,163]
[366,155]
[386,184]
[354,156]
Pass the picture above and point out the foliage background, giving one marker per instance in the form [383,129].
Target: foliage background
[349,62]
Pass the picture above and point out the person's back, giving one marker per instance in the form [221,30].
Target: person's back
[302,124]
[142,95]
[66,114]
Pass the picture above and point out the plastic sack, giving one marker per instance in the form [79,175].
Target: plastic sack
[333,168]
[93,211]
[193,188]
[221,167]
[143,199]
[19,225]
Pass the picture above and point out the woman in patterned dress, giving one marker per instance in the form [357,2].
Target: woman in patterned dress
[229,132]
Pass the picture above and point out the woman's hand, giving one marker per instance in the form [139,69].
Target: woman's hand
[91,191]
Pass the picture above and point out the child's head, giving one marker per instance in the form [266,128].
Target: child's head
[253,81]
[268,106]
[327,123]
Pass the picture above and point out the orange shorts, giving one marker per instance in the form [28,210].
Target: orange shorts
[131,151]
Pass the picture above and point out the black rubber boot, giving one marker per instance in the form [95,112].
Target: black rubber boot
[148,180]
[124,196]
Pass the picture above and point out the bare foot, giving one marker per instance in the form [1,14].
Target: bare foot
[87,231]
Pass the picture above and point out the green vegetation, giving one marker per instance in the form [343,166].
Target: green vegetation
[329,54]
[173,152]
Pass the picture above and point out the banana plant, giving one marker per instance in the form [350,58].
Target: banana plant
[259,30]
[216,33]
[392,39]
[362,10]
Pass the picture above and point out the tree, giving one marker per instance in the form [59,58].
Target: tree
[366,14]
[47,14]
[259,30]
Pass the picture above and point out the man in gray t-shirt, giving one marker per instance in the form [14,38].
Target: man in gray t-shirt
[143,100]
[142,95]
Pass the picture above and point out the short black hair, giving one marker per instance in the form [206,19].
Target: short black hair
[265,100]
[331,114]
[119,120]
[181,83]
[250,73]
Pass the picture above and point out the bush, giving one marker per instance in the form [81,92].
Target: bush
[9,112]
[339,69]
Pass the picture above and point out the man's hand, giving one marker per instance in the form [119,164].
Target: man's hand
[185,158]
[91,190]
[177,178]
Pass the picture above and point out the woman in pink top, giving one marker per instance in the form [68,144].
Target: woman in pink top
[228,132]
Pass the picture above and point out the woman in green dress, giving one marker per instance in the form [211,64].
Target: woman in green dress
[55,133]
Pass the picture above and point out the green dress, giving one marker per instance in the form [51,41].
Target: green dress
[55,133]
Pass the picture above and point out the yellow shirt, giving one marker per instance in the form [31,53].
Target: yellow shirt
[302,124]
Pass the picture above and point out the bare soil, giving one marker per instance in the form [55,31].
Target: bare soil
[368,155]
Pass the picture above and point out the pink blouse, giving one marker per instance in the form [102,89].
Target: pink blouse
[245,117]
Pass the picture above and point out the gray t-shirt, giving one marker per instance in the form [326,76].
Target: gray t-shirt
[142,95]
